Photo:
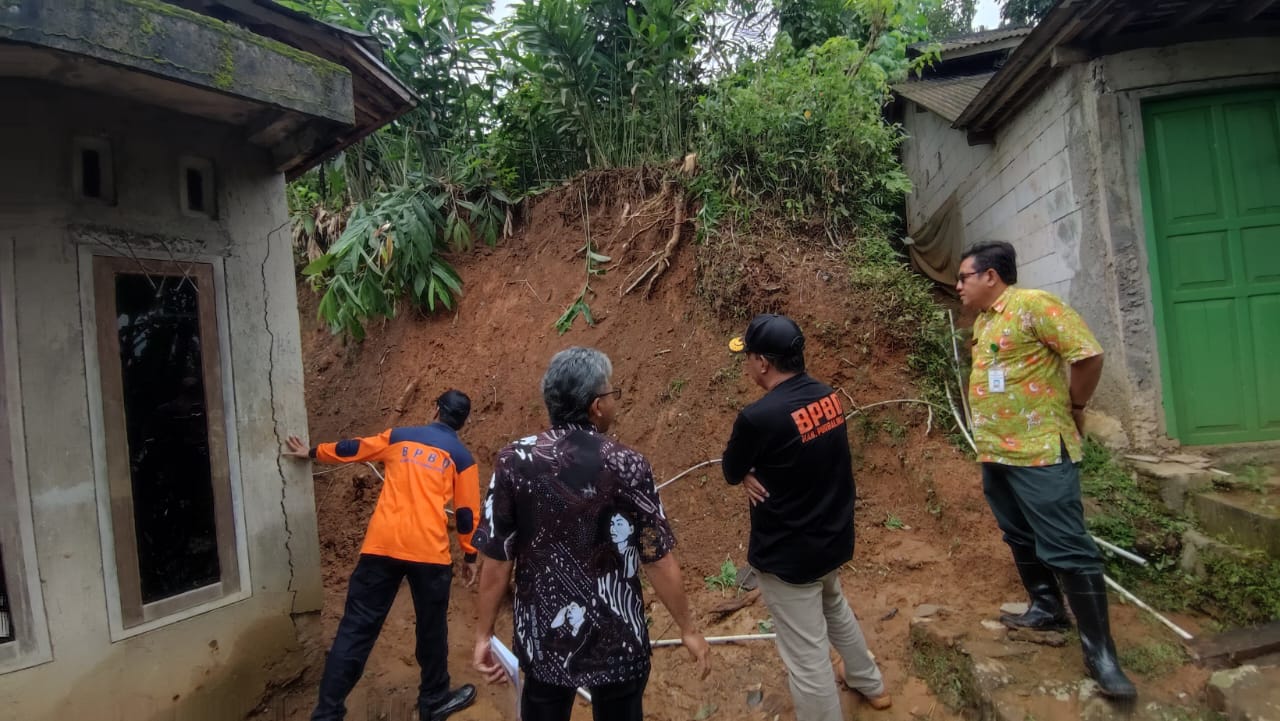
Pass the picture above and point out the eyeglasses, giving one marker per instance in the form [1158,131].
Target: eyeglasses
[616,393]
[962,277]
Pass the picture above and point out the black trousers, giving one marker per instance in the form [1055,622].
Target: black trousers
[1039,508]
[370,593]
[611,702]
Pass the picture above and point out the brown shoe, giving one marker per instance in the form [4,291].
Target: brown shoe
[881,702]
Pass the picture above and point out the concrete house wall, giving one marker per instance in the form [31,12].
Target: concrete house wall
[1018,189]
[1116,232]
[206,663]
[1061,183]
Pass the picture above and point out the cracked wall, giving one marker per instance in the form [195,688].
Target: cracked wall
[211,665]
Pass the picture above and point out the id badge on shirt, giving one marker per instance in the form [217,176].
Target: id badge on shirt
[995,380]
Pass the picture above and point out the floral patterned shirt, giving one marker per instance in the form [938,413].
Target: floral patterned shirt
[577,513]
[1032,337]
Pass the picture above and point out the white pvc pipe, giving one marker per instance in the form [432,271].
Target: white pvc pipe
[960,421]
[710,639]
[1140,604]
[719,639]
[1127,555]
[684,473]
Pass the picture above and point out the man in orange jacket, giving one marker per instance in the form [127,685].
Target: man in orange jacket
[408,537]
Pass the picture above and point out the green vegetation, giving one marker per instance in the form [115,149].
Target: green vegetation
[1249,476]
[225,75]
[1238,589]
[1024,12]
[800,134]
[1131,517]
[726,579]
[389,245]
[579,306]
[893,523]
[788,129]
[948,672]
[1153,659]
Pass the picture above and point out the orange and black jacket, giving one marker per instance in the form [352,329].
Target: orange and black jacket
[426,468]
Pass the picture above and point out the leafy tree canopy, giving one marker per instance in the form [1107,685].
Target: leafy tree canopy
[1024,12]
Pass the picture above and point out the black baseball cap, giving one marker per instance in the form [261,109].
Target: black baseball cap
[769,334]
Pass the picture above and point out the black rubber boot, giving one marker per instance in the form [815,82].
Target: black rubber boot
[1045,612]
[1087,593]
[455,701]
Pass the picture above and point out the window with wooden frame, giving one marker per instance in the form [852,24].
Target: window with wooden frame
[24,631]
[172,514]
[6,615]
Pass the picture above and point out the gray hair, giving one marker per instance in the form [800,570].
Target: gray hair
[574,379]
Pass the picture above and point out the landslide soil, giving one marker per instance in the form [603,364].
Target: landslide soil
[924,532]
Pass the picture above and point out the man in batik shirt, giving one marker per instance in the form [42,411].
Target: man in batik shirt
[1035,367]
[577,514]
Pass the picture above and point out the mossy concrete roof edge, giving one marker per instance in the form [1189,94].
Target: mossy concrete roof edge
[167,41]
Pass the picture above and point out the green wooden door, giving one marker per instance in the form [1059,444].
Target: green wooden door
[1213,200]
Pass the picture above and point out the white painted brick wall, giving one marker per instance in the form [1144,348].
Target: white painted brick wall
[944,155]
[1018,190]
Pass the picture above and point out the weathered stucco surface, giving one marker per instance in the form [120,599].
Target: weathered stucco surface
[164,40]
[210,666]
[1061,183]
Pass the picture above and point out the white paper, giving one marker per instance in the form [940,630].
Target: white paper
[511,665]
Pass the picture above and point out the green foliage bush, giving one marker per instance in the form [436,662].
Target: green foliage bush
[803,134]
[393,246]
[792,128]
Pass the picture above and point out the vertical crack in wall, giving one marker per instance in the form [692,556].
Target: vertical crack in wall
[275,420]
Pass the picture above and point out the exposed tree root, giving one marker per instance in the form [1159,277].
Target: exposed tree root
[664,261]
[656,264]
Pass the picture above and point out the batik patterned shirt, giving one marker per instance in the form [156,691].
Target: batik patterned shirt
[1032,337]
[577,513]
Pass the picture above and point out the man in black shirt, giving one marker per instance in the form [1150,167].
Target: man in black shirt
[790,450]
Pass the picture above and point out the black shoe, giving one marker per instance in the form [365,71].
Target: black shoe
[1087,593]
[458,699]
[1045,612]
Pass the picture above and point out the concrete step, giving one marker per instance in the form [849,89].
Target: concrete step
[1175,481]
[1239,454]
[1246,518]
[1247,693]
[1233,494]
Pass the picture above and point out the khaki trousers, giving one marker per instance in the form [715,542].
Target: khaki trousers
[809,618]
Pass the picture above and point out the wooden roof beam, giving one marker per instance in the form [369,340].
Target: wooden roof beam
[1250,9]
[1065,55]
[1034,61]
[1171,36]
[1193,13]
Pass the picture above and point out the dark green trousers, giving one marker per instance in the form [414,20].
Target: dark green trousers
[1039,508]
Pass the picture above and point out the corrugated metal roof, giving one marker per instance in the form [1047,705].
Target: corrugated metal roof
[947,97]
[968,40]
[1094,28]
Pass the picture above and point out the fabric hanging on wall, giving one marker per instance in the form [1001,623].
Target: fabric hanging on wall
[935,246]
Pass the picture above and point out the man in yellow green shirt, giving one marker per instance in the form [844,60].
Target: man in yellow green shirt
[1035,367]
